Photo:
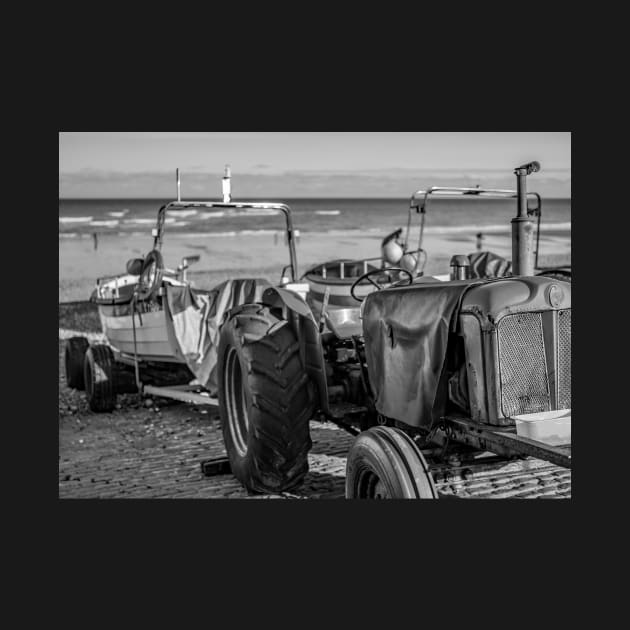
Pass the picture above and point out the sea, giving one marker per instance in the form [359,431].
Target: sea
[83,217]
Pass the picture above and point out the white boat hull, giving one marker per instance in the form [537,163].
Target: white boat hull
[154,337]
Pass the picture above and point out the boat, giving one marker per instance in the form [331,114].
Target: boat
[153,317]
[335,279]
[133,325]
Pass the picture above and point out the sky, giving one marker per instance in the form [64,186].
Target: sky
[275,165]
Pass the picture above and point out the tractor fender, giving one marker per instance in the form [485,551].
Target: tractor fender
[296,311]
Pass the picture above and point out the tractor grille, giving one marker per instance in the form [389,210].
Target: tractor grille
[528,382]
[564,359]
[522,365]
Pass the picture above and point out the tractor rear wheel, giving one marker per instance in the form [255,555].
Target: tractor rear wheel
[76,347]
[99,376]
[265,400]
[385,463]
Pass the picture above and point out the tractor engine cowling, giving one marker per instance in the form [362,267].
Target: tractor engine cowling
[490,350]
[517,339]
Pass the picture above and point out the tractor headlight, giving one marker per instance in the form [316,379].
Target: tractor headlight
[555,295]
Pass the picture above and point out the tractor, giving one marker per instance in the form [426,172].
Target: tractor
[444,380]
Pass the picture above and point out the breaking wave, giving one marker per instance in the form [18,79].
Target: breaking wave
[75,219]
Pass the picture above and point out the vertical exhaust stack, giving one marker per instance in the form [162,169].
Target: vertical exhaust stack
[522,225]
[227,186]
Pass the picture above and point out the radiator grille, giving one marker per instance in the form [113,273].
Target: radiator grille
[522,365]
[564,359]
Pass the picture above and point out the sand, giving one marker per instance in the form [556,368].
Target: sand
[264,255]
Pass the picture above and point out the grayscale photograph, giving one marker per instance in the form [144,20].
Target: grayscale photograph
[314,315]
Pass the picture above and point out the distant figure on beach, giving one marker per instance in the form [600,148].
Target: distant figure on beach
[480,238]
[95,237]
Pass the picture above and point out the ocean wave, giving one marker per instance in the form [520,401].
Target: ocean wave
[328,212]
[211,214]
[239,212]
[182,213]
[138,221]
[75,219]
[111,223]
[258,212]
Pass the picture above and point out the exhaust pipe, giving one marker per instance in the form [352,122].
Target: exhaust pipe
[522,225]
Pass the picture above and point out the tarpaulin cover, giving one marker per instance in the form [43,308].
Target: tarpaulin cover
[406,333]
[197,317]
[488,265]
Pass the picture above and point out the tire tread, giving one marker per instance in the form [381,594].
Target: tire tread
[282,400]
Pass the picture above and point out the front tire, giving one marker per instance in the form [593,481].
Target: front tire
[76,347]
[265,400]
[385,463]
[100,386]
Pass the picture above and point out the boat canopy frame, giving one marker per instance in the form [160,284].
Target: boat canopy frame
[182,205]
[420,200]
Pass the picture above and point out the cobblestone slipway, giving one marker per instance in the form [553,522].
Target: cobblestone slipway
[155,452]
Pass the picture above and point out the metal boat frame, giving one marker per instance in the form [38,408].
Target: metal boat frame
[420,200]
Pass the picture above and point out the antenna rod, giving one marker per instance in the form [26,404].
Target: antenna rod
[178,195]
[227,189]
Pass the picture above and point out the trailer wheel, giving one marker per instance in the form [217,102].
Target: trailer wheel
[100,386]
[76,348]
[385,463]
[265,400]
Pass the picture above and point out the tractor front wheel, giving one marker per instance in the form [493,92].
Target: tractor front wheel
[385,463]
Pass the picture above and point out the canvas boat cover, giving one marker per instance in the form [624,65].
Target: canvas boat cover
[406,332]
[489,265]
[197,316]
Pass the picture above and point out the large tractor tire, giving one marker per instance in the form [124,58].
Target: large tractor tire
[99,376]
[76,347]
[265,400]
[385,463]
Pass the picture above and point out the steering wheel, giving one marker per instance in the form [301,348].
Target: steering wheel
[150,278]
[388,271]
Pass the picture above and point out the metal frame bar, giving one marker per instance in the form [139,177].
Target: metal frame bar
[419,200]
[180,393]
[285,209]
[519,445]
